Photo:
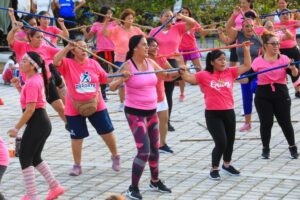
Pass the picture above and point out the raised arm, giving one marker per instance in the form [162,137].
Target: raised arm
[11,35]
[87,35]
[247,59]
[57,60]
[230,30]
[189,22]
[79,5]
[65,32]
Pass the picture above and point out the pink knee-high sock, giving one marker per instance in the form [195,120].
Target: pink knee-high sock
[46,172]
[29,181]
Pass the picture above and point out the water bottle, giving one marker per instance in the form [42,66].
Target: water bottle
[17,147]
[11,147]
[16,73]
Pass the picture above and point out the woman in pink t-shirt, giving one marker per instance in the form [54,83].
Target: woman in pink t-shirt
[272,95]
[46,52]
[216,82]
[120,36]
[44,25]
[290,47]
[189,43]
[83,77]
[169,39]
[38,126]
[104,45]
[4,160]
[162,104]
[140,111]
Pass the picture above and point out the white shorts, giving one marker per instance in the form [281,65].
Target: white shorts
[163,105]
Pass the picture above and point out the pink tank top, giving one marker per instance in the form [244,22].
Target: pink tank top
[140,90]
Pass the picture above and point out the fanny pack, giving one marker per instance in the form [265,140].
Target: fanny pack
[86,108]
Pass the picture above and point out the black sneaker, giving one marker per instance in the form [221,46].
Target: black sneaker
[297,94]
[294,152]
[170,127]
[265,153]
[159,186]
[133,193]
[214,175]
[230,170]
[165,149]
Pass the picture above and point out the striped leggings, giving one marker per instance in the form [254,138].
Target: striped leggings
[146,135]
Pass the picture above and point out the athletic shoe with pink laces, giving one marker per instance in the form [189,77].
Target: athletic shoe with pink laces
[54,193]
[116,165]
[245,128]
[76,170]
[181,97]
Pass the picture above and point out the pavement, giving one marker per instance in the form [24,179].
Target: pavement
[185,172]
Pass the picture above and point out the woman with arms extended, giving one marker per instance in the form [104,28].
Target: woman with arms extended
[216,82]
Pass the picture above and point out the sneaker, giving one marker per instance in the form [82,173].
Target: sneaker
[116,163]
[170,127]
[245,128]
[159,186]
[121,107]
[54,193]
[165,149]
[181,97]
[133,193]
[230,170]
[214,175]
[265,153]
[297,94]
[293,152]
[76,170]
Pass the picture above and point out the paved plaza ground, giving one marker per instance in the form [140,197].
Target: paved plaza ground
[185,172]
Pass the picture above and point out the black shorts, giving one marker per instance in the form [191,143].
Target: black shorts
[233,55]
[53,93]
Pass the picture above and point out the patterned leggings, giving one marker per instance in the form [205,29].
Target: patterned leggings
[146,135]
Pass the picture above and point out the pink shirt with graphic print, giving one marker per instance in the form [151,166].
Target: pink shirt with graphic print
[82,81]
[217,88]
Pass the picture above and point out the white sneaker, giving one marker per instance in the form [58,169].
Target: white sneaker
[121,107]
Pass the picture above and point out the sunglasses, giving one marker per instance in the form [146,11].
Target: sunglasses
[274,44]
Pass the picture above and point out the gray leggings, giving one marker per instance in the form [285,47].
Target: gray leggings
[2,170]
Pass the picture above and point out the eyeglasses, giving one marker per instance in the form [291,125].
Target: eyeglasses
[274,44]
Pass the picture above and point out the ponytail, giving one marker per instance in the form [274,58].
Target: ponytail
[211,56]
[133,42]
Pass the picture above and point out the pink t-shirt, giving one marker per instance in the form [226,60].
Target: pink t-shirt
[103,43]
[217,88]
[33,92]
[169,41]
[188,41]
[275,76]
[140,90]
[285,44]
[51,29]
[160,86]
[4,157]
[120,38]
[82,81]
[45,51]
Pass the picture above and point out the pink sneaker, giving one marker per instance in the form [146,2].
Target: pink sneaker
[181,97]
[76,170]
[245,128]
[116,163]
[54,193]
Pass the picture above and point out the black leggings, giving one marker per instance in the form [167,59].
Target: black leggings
[276,103]
[293,53]
[169,87]
[221,126]
[34,137]
[2,170]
